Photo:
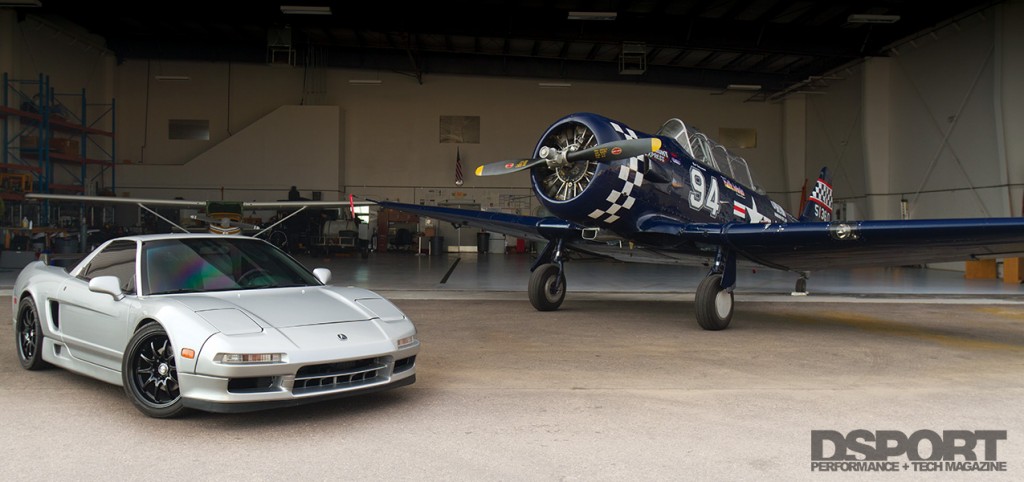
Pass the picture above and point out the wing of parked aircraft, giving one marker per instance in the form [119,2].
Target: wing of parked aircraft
[679,197]
[221,217]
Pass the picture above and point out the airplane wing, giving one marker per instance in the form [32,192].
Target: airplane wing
[820,245]
[117,200]
[809,246]
[789,246]
[527,227]
[544,228]
[184,203]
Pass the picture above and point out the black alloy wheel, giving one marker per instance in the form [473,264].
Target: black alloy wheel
[29,336]
[150,373]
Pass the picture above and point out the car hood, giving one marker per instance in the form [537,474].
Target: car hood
[287,307]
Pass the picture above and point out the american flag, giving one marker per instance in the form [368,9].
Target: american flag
[458,167]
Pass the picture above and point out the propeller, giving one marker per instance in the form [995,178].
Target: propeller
[554,158]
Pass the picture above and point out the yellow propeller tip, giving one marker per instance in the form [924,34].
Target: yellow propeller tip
[479,170]
[655,144]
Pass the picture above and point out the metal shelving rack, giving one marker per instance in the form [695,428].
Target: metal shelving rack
[46,133]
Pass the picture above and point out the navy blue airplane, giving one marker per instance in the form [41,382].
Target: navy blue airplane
[679,197]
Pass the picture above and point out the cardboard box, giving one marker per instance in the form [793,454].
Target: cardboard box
[981,269]
[70,147]
[1013,270]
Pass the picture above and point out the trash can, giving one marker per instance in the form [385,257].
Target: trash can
[437,245]
[482,241]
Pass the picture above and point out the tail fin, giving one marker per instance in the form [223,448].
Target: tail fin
[818,207]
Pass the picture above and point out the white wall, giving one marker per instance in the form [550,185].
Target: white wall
[1009,102]
[937,123]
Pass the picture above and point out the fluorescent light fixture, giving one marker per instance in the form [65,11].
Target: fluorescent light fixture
[872,18]
[21,3]
[172,78]
[554,85]
[750,87]
[365,81]
[305,10]
[592,15]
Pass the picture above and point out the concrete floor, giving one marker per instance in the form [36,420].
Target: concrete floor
[620,383]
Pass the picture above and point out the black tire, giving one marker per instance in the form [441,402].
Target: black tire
[801,285]
[279,239]
[713,304]
[149,372]
[543,279]
[28,336]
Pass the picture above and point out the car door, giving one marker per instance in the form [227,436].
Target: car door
[94,326]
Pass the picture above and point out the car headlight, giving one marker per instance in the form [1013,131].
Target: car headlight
[249,358]
[409,340]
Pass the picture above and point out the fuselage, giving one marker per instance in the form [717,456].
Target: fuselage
[669,184]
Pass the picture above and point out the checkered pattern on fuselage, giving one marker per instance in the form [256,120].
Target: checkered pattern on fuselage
[629,173]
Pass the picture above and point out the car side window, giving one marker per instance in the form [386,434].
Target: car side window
[117,259]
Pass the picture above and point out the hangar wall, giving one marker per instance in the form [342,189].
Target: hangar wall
[391,138]
[936,124]
[961,81]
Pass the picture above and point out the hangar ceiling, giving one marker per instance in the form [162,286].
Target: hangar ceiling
[773,44]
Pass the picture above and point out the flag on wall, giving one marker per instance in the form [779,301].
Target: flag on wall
[458,167]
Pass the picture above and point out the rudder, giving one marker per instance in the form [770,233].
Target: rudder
[818,207]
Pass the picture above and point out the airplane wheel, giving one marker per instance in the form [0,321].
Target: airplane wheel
[279,239]
[543,294]
[714,304]
[801,285]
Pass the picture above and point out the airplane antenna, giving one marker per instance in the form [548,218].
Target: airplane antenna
[161,217]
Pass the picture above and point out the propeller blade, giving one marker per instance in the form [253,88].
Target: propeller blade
[613,151]
[607,152]
[507,167]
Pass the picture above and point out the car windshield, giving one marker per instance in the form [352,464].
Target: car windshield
[193,265]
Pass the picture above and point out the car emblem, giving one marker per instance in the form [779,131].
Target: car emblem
[342,337]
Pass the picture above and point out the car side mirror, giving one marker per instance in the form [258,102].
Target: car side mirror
[107,284]
[322,274]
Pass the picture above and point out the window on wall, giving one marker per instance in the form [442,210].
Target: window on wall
[188,129]
[460,129]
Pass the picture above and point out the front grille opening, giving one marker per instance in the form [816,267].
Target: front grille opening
[333,376]
[405,364]
[252,384]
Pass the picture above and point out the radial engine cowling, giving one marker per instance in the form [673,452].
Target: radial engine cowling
[588,192]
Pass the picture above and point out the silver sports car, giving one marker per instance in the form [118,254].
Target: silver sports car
[216,323]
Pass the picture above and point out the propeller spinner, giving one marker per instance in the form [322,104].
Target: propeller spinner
[555,158]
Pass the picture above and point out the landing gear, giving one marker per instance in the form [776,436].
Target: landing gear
[801,286]
[547,282]
[713,300]
[547,287]
[713,303]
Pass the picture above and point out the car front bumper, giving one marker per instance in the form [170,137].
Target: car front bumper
[267,386]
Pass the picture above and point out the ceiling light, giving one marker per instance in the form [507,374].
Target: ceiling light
[365,81]
[872,18]
[554,85]
[172,78]
[750,87]
[21,3]
[592,15]
[305,10]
